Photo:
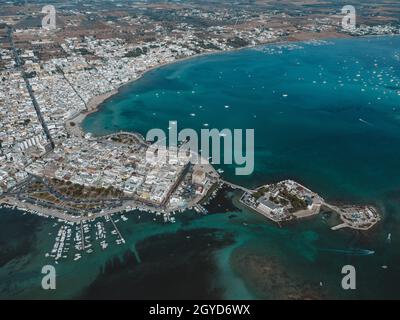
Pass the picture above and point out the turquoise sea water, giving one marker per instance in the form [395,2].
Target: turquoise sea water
[326,129]
[326,115]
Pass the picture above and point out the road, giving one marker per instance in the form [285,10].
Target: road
[29,88]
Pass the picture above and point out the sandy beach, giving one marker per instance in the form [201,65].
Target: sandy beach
[73,125]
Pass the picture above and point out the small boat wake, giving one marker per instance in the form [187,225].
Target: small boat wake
[351,252]
[366,122]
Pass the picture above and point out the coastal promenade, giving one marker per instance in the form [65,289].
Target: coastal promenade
[137,136]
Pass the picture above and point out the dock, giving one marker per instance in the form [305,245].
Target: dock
[116,229]
[340,226]
[83,237]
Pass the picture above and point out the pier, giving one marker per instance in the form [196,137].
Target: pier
[82,237]
[236,186]
[116,229]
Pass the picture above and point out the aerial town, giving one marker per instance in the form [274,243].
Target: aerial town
[51,79]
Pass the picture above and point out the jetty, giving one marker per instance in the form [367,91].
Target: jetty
[82,237]
[116,229]
[236,186]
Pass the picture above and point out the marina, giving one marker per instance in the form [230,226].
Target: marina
[73,241]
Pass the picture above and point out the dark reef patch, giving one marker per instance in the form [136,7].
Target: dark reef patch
[177,266]
[19,238]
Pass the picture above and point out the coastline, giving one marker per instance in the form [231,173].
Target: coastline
[95,102]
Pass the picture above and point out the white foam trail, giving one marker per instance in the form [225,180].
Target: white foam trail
[366,122]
